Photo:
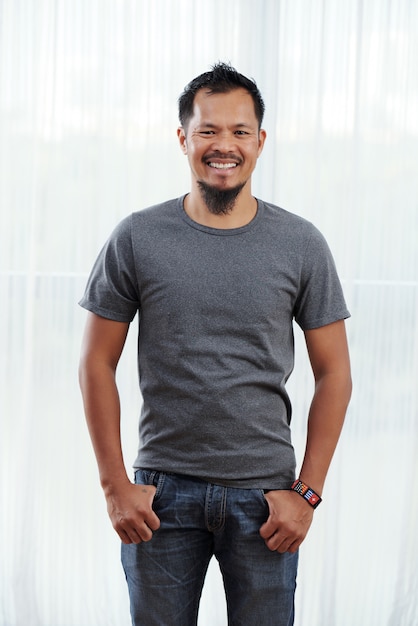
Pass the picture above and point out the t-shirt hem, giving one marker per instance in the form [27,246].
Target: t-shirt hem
[106,313]
[311,325]
[265,484]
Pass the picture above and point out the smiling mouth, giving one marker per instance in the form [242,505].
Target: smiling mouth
[222,166]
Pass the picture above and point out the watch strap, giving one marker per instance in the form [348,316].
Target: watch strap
[307,493]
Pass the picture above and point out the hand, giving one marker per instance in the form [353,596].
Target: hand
[288,523]
[130,510]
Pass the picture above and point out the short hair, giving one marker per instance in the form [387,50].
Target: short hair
[222,78]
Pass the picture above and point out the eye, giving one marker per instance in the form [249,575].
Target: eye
[207,132]
[241,132]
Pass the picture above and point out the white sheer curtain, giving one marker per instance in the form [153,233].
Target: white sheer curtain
[88,94]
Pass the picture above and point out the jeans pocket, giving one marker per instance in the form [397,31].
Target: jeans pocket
[151,477]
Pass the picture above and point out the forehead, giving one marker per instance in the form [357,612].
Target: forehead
[237,103]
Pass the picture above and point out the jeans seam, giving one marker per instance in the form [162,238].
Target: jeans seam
[219,518]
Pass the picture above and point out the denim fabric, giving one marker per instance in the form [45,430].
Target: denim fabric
[198,519]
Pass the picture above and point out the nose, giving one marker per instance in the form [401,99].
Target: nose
[224,142]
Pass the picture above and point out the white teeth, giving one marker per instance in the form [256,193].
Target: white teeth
[222,166]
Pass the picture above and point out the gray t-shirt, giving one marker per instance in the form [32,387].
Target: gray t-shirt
[215,347]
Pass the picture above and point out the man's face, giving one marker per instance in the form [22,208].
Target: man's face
[222,140]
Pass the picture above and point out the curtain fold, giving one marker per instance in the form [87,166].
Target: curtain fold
[88,118]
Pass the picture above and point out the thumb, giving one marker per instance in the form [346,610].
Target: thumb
[267,529]
[152,520]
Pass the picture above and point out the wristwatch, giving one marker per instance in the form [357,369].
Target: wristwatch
[307,493]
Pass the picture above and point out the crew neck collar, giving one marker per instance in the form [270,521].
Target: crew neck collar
[222,232]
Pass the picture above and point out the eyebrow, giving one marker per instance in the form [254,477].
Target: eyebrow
[211,125]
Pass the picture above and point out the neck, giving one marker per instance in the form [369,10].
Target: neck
[244,210]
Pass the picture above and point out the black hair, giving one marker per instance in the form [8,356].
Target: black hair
[221,79]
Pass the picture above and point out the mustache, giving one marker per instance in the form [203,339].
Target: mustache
[216,154]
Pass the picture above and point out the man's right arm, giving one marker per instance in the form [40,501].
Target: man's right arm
[129,506]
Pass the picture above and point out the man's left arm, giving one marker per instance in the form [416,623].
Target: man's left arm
[290,514]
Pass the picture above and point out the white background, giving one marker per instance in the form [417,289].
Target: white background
[88,92]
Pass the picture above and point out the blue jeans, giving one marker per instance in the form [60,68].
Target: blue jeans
[198,519]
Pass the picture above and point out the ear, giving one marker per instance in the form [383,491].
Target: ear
[181,134]
[261,139]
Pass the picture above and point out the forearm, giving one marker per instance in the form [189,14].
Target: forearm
[129,506]
[326,419]
[102,410]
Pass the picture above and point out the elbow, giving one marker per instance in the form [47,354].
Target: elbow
[94,371]
[348,387]
[337,384]
[343,383]
[84,373]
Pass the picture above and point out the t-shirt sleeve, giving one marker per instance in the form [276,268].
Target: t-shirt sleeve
[112,290]
[321,300]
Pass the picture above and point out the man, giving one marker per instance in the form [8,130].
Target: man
[217,278]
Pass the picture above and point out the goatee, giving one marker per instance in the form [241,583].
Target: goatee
[219,201]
